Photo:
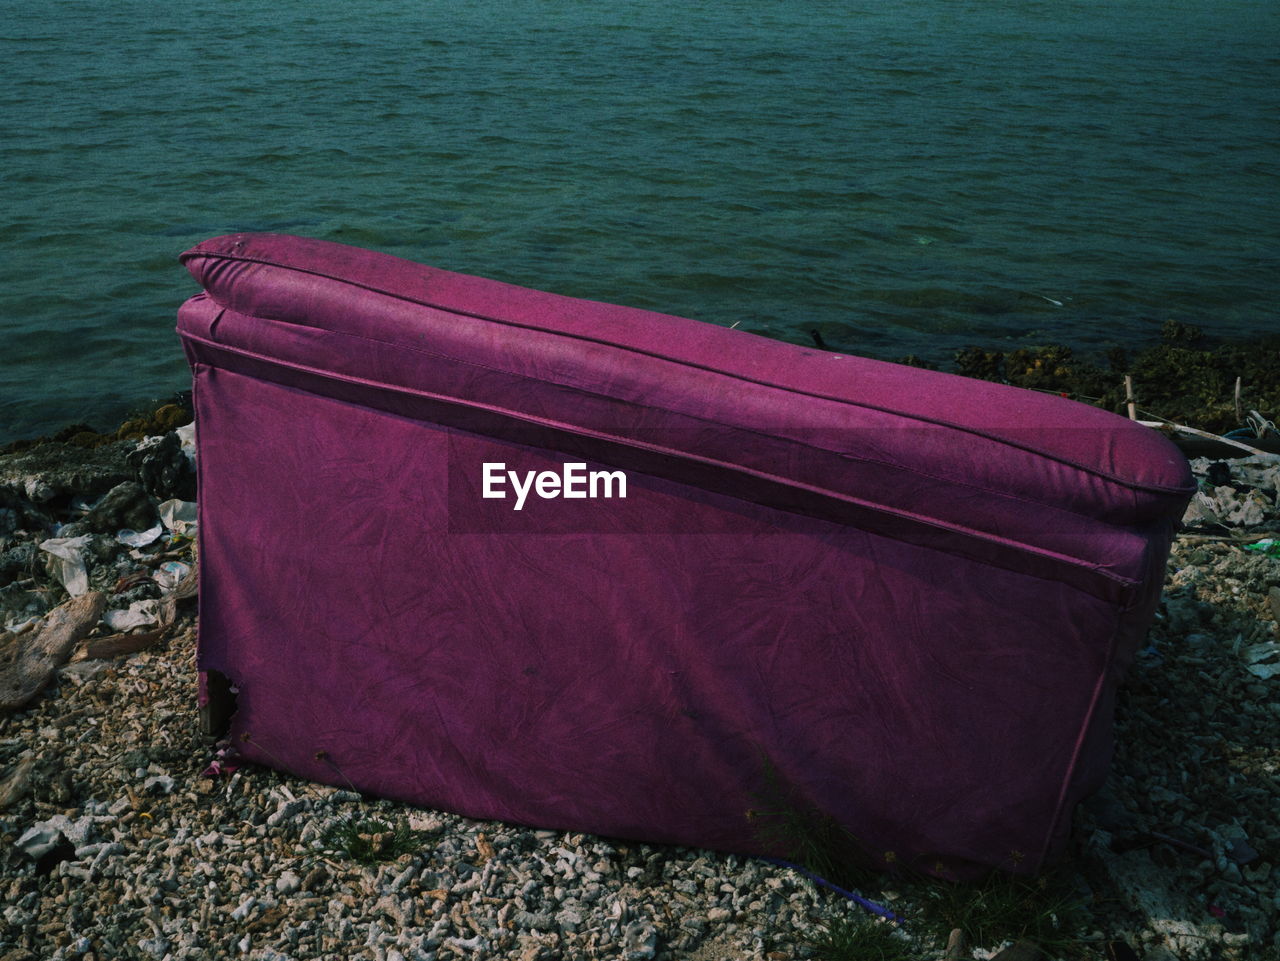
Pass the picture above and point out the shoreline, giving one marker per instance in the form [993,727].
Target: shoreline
[1187,377]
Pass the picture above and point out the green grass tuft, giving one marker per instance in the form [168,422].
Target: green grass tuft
[860,939]
[370,840]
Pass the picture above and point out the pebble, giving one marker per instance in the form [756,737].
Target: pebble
[288,883]
[287,811]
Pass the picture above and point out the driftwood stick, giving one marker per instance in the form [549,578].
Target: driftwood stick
[28,660]
[1229,441]
[13,787]
[1230,538]
[117,644]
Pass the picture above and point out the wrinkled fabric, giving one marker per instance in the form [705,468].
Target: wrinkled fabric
[890,600]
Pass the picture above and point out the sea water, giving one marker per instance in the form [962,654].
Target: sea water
[905,177]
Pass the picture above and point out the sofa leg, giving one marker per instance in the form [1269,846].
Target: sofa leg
[218,705]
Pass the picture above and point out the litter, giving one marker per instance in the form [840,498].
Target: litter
[1269,547]
[66,562]
[179,516]
[187,437]
[43,836]
[170,574]
[139,538]
[138,614]
[129,581]
[1255,655]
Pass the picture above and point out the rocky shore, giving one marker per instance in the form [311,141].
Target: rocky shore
[124,833]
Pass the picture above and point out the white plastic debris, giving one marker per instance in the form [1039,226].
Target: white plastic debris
[1256,653]
[139,538]
[170,574]
[178,516]
[82,671]
[1202,509]
[66,562]
[187,437]
[138,614]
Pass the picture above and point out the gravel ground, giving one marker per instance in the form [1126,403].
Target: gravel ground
[118,840]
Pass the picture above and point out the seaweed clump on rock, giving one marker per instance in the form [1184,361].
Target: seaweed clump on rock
[139,425]
[1185,378]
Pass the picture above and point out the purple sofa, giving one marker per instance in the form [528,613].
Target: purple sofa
[889,602]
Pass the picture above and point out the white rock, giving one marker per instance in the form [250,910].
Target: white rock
[77,831]
[108,851]
[162,782]
[639,941]
[156,947]
[286,812]
[288,883]
[422,822]
[569,919]
[38,840]
[89,850]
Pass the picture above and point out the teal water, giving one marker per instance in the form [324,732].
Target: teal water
[906,177]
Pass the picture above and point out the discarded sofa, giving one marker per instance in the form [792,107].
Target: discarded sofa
[753,590]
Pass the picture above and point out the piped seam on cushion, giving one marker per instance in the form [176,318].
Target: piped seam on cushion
[1124,583]
[1095,471]
[1022,498]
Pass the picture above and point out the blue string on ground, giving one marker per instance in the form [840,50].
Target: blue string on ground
[855,898]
